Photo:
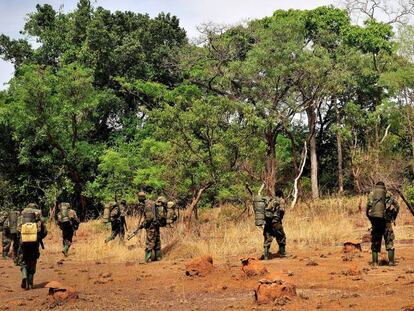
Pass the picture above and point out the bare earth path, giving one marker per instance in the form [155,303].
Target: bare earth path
[332,284]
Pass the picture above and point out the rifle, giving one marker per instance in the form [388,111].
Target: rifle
[134,233]
[407,203]
[41,244]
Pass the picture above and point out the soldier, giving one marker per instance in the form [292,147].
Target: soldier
[274,212]
[118,223]
[32,231]
[10,231]
[141,202]
[151,224]
[382,210]
[68,222]
[5,239]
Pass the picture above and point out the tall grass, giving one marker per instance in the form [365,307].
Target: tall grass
[224,232]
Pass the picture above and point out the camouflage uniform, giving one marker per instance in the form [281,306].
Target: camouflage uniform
[379,202]
[29,253]
[11,234]
[273,228]
[68,226]
[5,238]
[118,222]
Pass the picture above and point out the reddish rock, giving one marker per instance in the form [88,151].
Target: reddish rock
[200,266]
[352,271]
[252,267]
[352,246]
[273,288]
[59,293]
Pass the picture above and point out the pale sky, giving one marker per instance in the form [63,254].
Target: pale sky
[190,12]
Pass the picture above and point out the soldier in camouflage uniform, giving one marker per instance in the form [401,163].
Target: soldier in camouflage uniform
[152,225]
[29,253]
[10,232]
[68,222]
[382,210]
[274,212]
[5,239]
[118,222]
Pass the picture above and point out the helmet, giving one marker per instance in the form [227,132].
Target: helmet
[141,194]
[161,200]
[170,204]
[64,204]
[123,202]
[32,205]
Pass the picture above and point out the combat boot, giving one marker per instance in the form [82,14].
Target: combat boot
[29,281]
[391,257]
[282,251]
[147,257]
[24,278]
[266,253]
[65,250]
[374,262]
[5,256]
[158,255]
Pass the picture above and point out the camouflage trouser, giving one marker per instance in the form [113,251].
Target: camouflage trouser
[28,255]
[381,228]
[273,230]
[6,241]
[153,240]
[67,236]
[117,229]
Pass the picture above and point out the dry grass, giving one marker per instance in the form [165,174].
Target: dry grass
[224,232]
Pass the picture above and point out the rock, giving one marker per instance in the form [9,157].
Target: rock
[366,238]
[408,308]
[390,292]
[200,266]
[352,271]
[252,267]
[274,289]
[352,247]
[59,293]
[312,263]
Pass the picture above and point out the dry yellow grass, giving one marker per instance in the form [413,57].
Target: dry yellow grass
[224,232]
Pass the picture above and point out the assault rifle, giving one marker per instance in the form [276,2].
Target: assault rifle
[41,244]
[134,233]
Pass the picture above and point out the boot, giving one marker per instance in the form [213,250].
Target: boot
[24,278]
[374,262]
[282,251]
[5,256]
[266,253]
[147,257]
[65,250]
[158,255]
[391,257]
[30,281]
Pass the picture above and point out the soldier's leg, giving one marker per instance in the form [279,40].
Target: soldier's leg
[6,241]
[23,265]
[31,270]
[114,232]
[157,247]
[389,238]
[280,238]
[377,231]
[67,240]
[268,237]
[16,242]
[150,245]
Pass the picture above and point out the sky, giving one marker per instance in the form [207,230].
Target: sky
[191,13]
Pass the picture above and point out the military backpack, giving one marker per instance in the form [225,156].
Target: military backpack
[29,227]
[12,219]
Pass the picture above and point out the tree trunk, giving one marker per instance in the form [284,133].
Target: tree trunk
[339,150]
[270,170]
[193,207]
[313,151]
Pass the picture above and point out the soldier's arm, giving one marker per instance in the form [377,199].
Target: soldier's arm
[369,204]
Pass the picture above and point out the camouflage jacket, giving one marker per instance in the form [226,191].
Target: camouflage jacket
[149,214]
[275,209]
[382,207]
[74,220]
[3,217]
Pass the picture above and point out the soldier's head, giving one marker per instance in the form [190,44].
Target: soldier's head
[32,205]
[161,201]
[141,196]
[279,193]
[123,202]
[64,205]
[170,204]
[380,184]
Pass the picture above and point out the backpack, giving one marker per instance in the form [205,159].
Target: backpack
[391,210]
[115,212]
[378,197]
[13,221]
[107,214]
[64,214]
[160,214]
[171,213]
[259,205]
[29,228]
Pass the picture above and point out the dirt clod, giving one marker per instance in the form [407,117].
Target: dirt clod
[312,263]
[352,247]
[200,266]
[252,267]
[59,293]
[274,289]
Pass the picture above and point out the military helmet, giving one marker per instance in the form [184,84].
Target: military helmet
[170,204]
[64,204]
[123,201]
[32,205]
[161,200]
[141,194]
